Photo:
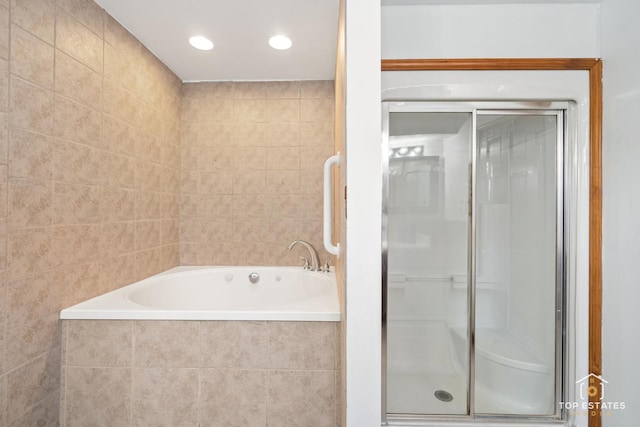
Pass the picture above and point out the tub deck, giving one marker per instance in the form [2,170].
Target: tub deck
[219,293]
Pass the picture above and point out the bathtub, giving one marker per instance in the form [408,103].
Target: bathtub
[205,343]
[219,293]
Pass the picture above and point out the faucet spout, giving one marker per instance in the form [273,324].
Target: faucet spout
[315,262]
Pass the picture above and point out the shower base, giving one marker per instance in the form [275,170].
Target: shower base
[410,393]
[416,394]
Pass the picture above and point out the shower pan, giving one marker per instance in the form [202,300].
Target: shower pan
[474,300]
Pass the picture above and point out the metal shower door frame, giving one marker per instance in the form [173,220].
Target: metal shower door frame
[558,108]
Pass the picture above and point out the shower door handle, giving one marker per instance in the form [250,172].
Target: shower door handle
[327,202]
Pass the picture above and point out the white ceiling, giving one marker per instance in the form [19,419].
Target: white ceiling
[239,30]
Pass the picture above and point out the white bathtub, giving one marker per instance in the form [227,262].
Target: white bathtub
[219,293]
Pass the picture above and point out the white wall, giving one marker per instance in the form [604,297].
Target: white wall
[490,31]
[364,193]
[568,30]
[621,202]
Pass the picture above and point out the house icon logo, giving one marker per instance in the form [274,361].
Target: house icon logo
[591,391]
[591,386]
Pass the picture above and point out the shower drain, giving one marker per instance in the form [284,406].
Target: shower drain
[444,396]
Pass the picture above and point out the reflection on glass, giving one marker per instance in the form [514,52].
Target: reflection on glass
[515,264]
[428,177]
[502,256]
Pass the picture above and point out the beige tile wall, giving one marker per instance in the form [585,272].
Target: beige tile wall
[210,373]
[252,158]
[91,177]
[89,182]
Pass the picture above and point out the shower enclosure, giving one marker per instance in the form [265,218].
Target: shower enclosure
[474,311]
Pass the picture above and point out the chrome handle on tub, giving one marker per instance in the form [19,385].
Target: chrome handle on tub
[327,266]
[306,264]
[254,277]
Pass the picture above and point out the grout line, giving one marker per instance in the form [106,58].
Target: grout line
[132,364]
[200,373]
[268,374]
[63,410]
[5,240]
[4,418]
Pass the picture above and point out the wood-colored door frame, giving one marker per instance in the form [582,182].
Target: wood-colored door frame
[594,67]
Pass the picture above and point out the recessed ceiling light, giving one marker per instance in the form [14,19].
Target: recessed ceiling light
[201,42]
[280,42]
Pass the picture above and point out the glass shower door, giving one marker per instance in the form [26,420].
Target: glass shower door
[474,304]
[427,220]
[518,261]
